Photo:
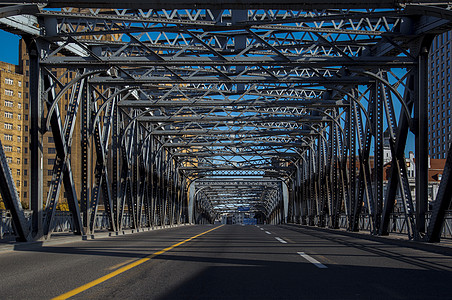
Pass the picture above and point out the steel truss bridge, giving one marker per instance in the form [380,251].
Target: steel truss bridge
[177,100]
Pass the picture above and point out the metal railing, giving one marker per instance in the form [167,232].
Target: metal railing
[397,223]
[63,222]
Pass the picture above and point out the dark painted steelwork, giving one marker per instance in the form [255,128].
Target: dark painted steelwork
[174,104]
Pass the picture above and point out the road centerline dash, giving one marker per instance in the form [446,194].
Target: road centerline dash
[267,232]
[280,240]
[127,267]
[312,260]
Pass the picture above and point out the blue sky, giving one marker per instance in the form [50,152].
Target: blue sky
[9,52]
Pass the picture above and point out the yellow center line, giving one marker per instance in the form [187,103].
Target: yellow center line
[120,264]
[126,268]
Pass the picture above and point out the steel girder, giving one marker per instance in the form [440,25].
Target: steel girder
[144,4]
[169,95]
[224,196]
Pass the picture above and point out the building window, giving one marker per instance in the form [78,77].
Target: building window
[8,137]
[26,129]
[51,150]
[50,139]
[19,150]
[25,150]
[9,103]
[51,161]
[25,183]
[25,194]
[8,126]
[18,161]
[19,83]
[9,81]
[19,94]
[25,161]
[18,172]
[19,116]
[9,115]
[19,138]
[19,105]
[8,148]
[26,117]
[18,183]
[9,93]
[9,159]
[49,172]
[19,127]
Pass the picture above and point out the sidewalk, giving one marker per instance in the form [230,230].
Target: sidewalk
[444,247]
[10,244]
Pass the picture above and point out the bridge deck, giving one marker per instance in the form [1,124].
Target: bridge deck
[230,262]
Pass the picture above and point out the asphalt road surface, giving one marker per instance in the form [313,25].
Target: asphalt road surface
[228,262]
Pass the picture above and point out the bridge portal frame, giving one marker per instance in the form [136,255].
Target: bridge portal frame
[150,168]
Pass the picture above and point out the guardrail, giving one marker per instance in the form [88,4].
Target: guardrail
[397,223]
[63,222]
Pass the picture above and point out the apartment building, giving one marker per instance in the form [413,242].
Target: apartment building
[49,150]
[14,126]
[440,133]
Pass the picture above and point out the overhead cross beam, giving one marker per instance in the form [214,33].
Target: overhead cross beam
[181,93]
[229,4]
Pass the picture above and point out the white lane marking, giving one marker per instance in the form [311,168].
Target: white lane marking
[281,240]
[312,260]
[262,228]
[267,232]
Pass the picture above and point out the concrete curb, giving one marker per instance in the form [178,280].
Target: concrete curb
[20,246]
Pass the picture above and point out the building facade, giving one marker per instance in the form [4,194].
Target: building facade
[48,146]
[14,126]
[440,131]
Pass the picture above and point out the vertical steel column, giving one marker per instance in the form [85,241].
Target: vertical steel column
[335,207]
[116,197]
[135,174]
[398,172]
[442,202]
[352,167]
[378,156]
[318,182]
[328,176]
[106,183]
[86,157]
[311,201]
[152,181]
[128,170]
[11,199]
[296,198]
[421,140]
[304,192]
[363,160]
[36,155]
